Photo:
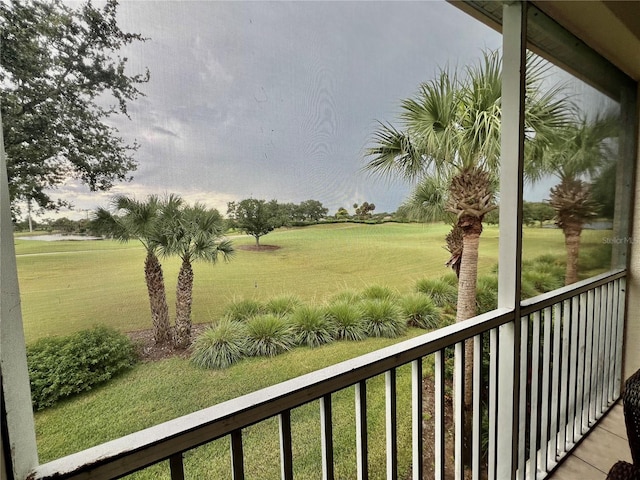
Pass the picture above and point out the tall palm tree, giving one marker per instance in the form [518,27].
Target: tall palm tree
[452,130]
[193,234]
[134,219]
[579,152]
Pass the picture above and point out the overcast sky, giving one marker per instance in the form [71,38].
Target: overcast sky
[278,100]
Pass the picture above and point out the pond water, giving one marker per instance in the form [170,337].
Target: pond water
[59,237]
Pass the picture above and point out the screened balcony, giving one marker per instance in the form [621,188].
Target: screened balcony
[547,369]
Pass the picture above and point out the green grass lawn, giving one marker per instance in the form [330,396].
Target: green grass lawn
[155,392]
[68,286]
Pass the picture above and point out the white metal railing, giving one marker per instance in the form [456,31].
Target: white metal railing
[570,353]
[571,358]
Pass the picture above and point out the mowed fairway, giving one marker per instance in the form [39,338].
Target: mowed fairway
[68,286]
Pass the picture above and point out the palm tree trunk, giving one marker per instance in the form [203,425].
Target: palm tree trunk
[183,305]
[157,299]
[472,228]
[572,243]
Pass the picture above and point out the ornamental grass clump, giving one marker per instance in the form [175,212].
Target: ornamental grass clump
[442,292]
[311,327]
[542,281]
[282,306]
[269,335]
[347,296]
[378,292]
[221,345]
[487,293]
[383,318]
[420,311]
[347,320]
[243,310]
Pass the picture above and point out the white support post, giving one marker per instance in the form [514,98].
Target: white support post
[17,416]
[511,168]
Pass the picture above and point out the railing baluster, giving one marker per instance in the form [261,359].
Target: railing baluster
[546,367]
[564,378]
[493,400]
[237,455]
[439,414]
[362,447]
[601,351]
[621,286]
[286,450]
[607,347]
[588,359]
[573,363]
[613,308]
[522,402]
[555,386]
[576,419]
[477,413]
[597,355]
[533,415]
[581,303]
[326,429]
[176,465]
[416,407]
[458,410]
[391,424]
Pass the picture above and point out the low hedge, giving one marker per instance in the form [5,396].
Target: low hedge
[63,366]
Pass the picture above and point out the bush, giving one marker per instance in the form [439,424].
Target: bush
[347,320]
[311,327]
[268,335]
[377,292]
[221,345]
[542,281]
[420,311]
[442,292]
[283,305]
[383,318]
[63,366]
[243,310]
[487,293]
[347,296]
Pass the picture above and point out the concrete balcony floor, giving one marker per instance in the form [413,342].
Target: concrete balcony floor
[604,446]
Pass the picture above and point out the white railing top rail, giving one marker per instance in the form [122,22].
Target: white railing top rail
[146,447]
[544,300]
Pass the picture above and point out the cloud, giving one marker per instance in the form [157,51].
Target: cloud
[279,99]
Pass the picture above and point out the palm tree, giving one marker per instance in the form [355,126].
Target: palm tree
[194,234]
[452,131]
[579,152]
[134,219]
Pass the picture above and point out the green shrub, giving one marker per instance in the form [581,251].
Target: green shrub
[542,281]
[443,294]
[383,318]
[450,278]
[420,311]
[347,296]
[243,310]
[527,289]
[221,345]
[63,366]
[347,319]
[311,327]
[487,293]
[378,292]
[547,264]
[282,305]
[268,335]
